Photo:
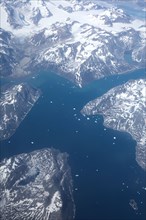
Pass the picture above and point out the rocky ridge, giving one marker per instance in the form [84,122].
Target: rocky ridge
[124,109]
[15,103]
[36,185]
[83,41]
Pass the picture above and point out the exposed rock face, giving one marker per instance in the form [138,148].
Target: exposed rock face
[36,185]
[19,12]
[81,40]
[7,53]
[124,109]
[15,103]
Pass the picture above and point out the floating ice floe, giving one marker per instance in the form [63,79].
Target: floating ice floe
[133,204]
[77,175]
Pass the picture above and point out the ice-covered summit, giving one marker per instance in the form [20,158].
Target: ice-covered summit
[81,40]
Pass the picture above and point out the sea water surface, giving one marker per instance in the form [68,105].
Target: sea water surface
[105,173]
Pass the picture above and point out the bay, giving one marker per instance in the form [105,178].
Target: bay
[106,175]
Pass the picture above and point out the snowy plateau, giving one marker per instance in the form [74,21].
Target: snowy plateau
[81,40]
[35,185]
[124,109]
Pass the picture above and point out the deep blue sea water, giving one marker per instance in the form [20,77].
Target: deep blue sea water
[106,175]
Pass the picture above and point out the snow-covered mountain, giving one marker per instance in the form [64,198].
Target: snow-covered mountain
[8,54]
[82,40]
[15,103]
[36,185]
[124,109]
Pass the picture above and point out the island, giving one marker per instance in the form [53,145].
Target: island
[36,185]
[15,103]
[124,109]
